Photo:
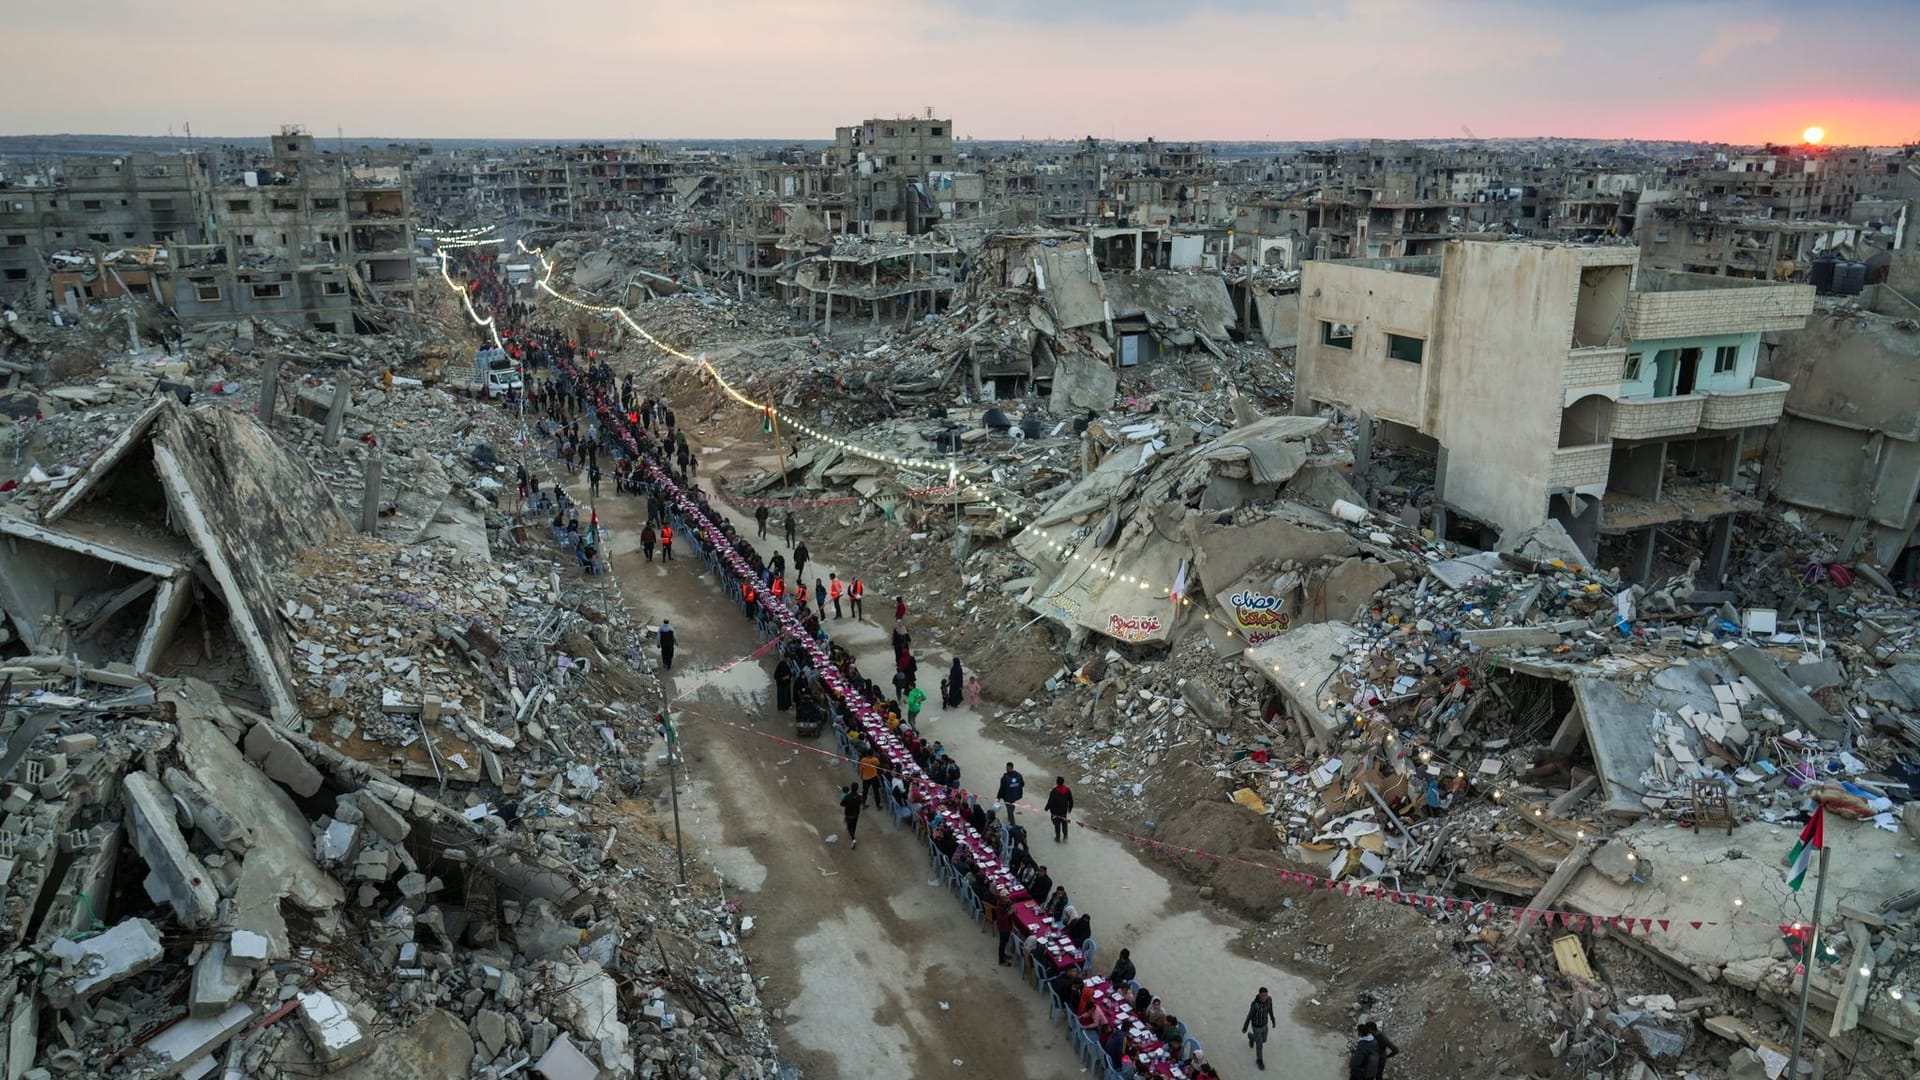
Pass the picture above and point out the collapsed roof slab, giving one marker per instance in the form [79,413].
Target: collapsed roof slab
[42,568]
[1616,730]
[1301,664]
[102,465]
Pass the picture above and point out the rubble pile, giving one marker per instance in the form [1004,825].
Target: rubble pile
[289,798]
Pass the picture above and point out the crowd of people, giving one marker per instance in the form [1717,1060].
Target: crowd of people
[586,413]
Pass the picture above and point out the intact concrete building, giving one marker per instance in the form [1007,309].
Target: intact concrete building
[1552,381]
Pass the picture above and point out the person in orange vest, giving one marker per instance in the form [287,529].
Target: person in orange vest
[666,543]
[833,591]
[779,588]
[853,597]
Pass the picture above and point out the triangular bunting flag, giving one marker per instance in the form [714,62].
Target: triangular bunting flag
[1695,924]
[1664,923]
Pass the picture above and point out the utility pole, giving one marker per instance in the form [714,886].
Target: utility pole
[673,784]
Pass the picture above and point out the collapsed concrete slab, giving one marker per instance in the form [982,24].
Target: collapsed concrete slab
[176,876]
[282,761]
[103,960]
[338,1039]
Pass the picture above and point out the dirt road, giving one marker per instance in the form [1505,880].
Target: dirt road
[877,969]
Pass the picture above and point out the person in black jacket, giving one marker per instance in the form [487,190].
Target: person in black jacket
[1370,1053]
[850,810]
[1059,805]
[1123,969]
[1254,1027]
[666,644]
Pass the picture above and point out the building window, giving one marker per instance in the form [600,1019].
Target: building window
[939,159]
[239,206]
[246,239]
[15,273]
[90,204]
[326,204]
[1409,349]
[267,291]
[286,204]
[1725,359]
[16,240]
[100,237]
[163,236]
[936,130]
[159,204]
[206,292]
[333,288]
[1631,371]
[1336,335]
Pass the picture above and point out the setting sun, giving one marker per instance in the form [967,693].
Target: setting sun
[1813,135]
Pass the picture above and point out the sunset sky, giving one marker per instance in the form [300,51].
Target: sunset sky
[1745,72]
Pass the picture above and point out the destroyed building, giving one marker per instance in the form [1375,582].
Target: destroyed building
[300,236]
[1538,381]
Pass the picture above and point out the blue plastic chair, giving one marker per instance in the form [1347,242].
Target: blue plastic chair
[1190,1046]
[1086,954]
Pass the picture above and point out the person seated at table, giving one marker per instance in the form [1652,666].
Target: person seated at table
[898,789]
[1155,1014]
[1094,1015]
[1123,969]
[1020,860]
[1142,998]
[1114,1042]
[945,842]
[1173,1032]
[983,890]
[1057,903]
[1080,929]
[1040,885]
[975,814]
[1066,985]
[963,860]
[1127,1066]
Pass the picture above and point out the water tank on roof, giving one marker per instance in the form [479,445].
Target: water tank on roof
[1821,275]
[995,420]
[1849,278]
[1032,428]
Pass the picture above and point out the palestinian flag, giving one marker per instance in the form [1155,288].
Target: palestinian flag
[1812,839]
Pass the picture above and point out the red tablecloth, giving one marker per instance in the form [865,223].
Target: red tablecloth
[1153,1056]
[1048,939]
[999,878]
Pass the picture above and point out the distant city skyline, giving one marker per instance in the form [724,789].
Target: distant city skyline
[1745,72]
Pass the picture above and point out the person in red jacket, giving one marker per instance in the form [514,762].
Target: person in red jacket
[853,597]
[899,609]
[833,592]
[1059,806]
[666,543]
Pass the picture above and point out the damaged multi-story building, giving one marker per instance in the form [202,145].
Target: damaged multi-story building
[1549,381]
[298,236]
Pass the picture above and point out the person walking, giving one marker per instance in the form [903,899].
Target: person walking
[834,589]
[819,595]
[646,541]
[1013,788]
[793,528]
[854,594]
[900,609]
[953,685]
[593,481]
[870,776]
[666,644]
[666,543]
[1370,1053]
[850,804]
[1254,1027]
[800,562]
[1059,805]
[760,516]
[916,699]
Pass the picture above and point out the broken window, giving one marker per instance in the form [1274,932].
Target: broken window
[16,240]
[90,204]
[246,239]
[936,130]
[15,273]
[239,206]
[333,288]
[206,291]
[100,237]
[1338,335]
[1725,359]
[326,204]
[939,159]
[1661,236]
[267,291]
[286,204]
[1409,349]
[163,236]
[1631,371]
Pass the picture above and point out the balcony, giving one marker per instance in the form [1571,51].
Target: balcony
[1581,466]
[1729,409]
[1593,367]
[1657,418]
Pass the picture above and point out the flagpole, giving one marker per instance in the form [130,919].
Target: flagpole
[1806,963]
